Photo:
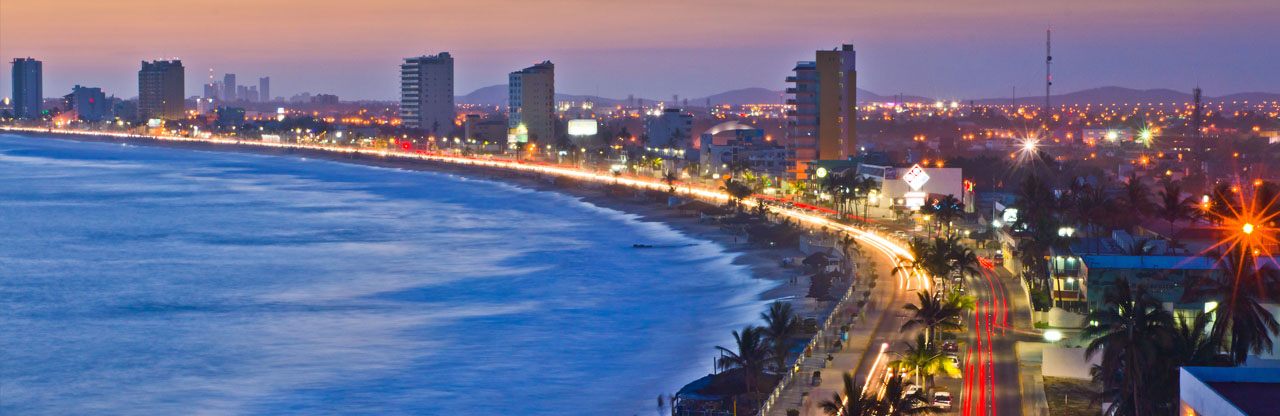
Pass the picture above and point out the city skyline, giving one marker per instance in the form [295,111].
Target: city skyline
[949,52]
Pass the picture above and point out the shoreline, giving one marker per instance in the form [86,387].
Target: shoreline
[763,263]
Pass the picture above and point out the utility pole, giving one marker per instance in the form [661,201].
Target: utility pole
[1048,77]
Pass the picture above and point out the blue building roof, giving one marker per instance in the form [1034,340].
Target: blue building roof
[1150,262]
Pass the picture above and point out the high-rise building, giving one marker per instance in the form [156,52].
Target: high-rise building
[229,90]
[28,88]
[211,90]
[251,94]
[824,121]
[242,93]
[161,90]
[264,89]
[89,104]
[426,93]
[531,107]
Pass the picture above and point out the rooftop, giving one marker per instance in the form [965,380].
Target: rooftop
[1252,391]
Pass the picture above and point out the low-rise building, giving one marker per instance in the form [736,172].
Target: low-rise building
[726,151]
[672,129]
[911,187]
[88,104]
[1228,391]
[1081,275]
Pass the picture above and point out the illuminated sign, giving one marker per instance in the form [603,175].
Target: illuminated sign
[968,186]
[520,134]
[821,172]
[915,177]
[914,200]
[583,127]
[155,122]
[1010,216]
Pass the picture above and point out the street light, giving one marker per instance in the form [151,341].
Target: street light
[1053,335]
[1248,228]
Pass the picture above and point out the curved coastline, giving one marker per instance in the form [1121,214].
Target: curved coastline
[763,264]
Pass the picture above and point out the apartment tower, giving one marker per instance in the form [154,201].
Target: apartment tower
[160,90]
[531,112]
[28,88]
[824,121]
[426,93]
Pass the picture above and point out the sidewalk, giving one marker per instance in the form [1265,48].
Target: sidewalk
[846,360]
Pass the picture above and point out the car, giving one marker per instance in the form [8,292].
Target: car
[942,400]
[810,323]
[955,359]
[910,390]
[950,345]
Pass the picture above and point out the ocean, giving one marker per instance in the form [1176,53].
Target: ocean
[140,280]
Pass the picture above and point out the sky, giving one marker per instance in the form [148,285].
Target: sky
[960,49]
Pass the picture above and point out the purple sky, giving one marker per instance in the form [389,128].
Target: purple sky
[654,48]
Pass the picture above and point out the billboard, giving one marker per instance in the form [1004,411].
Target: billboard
[583,127]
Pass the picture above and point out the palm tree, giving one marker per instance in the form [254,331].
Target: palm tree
[1242,323]
[670,178]
[1173,207]
[948,209]
[925,361]
[895,403]
[1190,344]
[1136,198]
[1093,209]
[931,314]
[751,356]
[848,245]
[781,324]
[964,260]
[961,302]
[737,191]
[1223,203]
[852,402]
[1128,331]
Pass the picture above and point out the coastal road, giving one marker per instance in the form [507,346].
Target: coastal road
[991,383]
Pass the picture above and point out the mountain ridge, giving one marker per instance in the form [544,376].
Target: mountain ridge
[497,95]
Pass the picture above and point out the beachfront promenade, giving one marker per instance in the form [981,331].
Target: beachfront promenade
[858,354]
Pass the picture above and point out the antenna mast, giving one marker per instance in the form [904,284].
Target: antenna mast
[1196,120]
[1048,76]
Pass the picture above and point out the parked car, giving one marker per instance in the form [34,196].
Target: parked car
[911,389]
[950,345]
[942,400]
[810,324]
[955,359]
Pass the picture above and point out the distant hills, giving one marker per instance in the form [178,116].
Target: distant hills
[497,95]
